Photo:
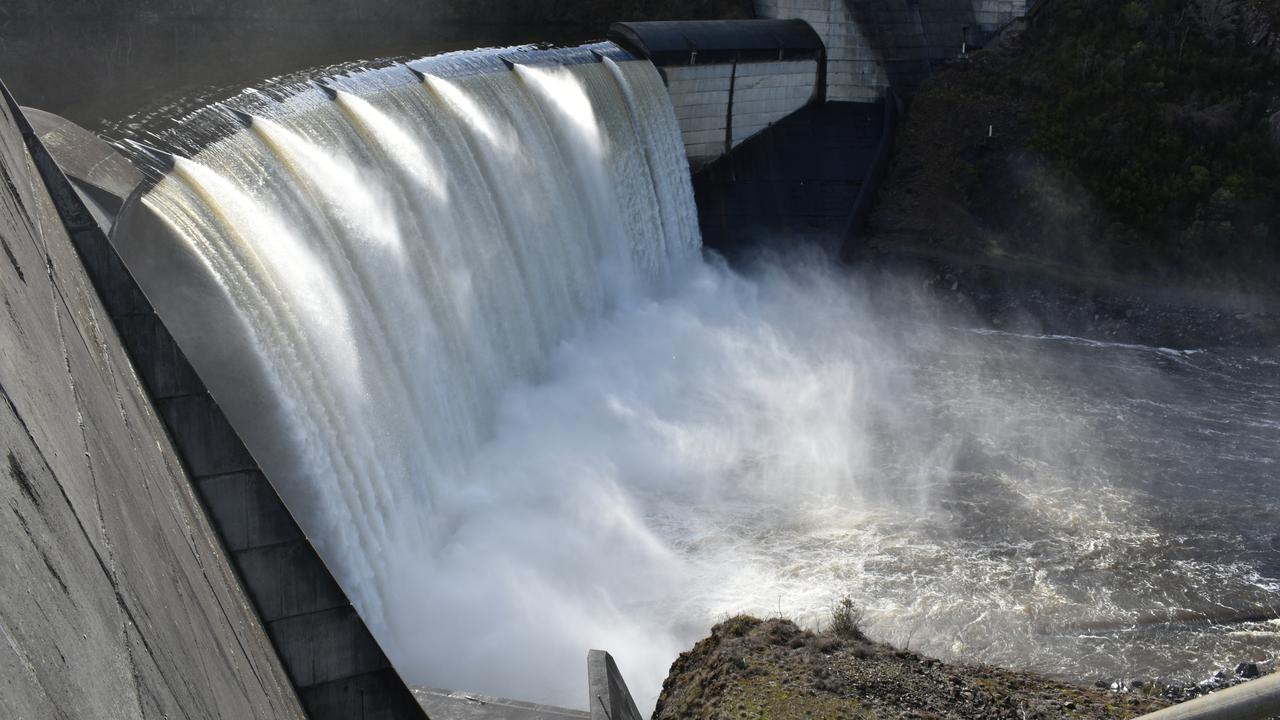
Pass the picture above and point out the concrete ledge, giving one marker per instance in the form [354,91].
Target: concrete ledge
[609,697]
[326,646]
[1255,700]
[470,706]
[247,511]
[697,42]
[371,696]
[101,176]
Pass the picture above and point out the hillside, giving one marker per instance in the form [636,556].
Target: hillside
[1112,139]
[750,668]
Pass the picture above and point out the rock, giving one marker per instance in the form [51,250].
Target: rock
[1247,670]
[864,679]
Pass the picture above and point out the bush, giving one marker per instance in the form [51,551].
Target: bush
[846,619]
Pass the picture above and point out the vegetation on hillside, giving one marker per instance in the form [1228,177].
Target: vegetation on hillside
[750,668]
[1130,137]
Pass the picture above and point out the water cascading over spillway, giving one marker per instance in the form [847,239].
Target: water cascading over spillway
[392,251]
[462,320]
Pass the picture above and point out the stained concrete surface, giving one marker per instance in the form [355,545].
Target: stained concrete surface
[116,599]
[469,706]
[101,176]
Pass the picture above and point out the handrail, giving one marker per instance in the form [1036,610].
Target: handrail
[1254,700]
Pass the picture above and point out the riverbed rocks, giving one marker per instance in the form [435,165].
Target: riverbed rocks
[1182,691]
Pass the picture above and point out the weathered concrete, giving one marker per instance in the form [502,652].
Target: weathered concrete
[469,706]
[853,69]
[875,44]
[1255,700]
[854,234]
[721,106]
[609,697]
[729,80]
[116,598]
[102,177]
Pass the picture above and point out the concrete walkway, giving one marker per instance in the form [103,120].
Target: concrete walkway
[451,705]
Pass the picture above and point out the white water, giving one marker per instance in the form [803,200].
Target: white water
[521,417]
[398,258]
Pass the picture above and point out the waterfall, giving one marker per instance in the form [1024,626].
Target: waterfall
[460,315]
[398,246]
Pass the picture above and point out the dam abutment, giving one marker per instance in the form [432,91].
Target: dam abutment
[127,605]
[332,661]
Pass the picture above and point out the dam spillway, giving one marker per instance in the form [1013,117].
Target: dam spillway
[358,270]
[676,441]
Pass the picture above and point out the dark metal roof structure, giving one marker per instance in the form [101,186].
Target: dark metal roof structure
[697,42]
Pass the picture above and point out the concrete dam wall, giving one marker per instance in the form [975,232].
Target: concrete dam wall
[318,659]
[873,44]
[118,599]
[729,81]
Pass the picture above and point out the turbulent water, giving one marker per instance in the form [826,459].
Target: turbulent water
[520,415]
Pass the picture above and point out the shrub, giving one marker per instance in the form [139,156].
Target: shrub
[846,619]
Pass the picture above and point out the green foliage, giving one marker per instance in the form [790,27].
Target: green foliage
[1164,113]
[1135,15]
[1161,112]
[845,621]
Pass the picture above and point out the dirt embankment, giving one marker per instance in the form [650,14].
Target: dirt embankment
[750,668]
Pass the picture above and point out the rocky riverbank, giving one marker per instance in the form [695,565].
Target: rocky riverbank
[752,668]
